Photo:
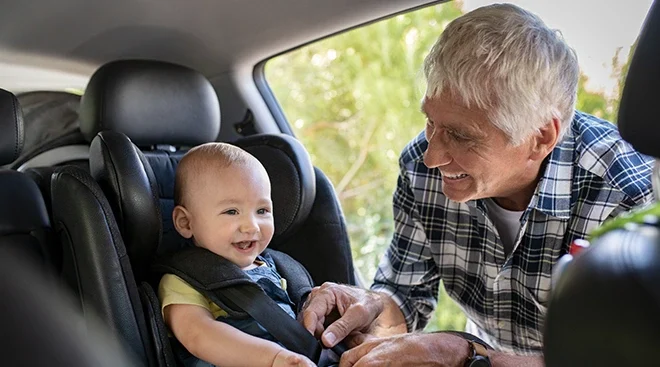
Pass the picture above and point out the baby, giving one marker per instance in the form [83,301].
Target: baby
[223,204]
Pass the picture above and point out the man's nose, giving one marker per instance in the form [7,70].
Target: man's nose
[436,155]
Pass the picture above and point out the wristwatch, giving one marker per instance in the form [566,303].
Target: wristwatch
[478,355]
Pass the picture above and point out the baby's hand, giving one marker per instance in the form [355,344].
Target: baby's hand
[287,358]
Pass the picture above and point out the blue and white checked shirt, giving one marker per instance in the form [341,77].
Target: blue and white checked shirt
[590,176]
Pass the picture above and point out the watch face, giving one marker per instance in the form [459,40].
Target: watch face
[480,361]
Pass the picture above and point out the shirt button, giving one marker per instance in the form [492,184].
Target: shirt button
[501,324]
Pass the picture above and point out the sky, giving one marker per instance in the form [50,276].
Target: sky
[594,28]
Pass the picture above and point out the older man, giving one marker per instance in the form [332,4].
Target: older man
[506,175]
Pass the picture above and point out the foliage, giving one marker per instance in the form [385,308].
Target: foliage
[353,100]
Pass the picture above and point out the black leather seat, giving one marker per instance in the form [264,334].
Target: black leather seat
[160,105]
[31,312]
[140,141]
[95,264]
[24,222]
[41,327]
[605,308]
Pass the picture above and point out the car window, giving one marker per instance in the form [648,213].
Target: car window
[353,100]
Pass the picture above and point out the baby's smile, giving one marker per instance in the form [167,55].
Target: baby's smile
[245,245]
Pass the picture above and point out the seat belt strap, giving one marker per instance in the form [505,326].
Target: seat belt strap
[275,320]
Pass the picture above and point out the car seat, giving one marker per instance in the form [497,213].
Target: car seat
[24,222]
[41,327]
[163,109]
[138,182]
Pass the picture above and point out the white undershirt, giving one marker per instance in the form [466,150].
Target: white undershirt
[507,223]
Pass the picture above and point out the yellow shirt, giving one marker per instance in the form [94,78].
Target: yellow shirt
[173,290]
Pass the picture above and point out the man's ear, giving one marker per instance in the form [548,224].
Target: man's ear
[182,221]
[545,139]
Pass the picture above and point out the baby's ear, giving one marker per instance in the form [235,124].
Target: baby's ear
[182,221]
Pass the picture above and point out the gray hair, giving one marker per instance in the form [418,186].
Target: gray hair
[506,61]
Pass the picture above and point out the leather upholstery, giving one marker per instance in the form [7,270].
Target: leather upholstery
[24,223]
[11,127]
[637,119]
[309,224]
[604,308]
[293,183]
[41,327]
[95,262]
[152,102]
[22,209]
[128,182]
[321,243]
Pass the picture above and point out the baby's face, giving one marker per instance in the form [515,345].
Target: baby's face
[231,212]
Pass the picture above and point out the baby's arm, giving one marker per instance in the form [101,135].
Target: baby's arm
[223,345]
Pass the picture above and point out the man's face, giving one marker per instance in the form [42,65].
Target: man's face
[475,158]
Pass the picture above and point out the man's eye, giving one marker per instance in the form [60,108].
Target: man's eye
[456,136]
[263,211]
[230,212]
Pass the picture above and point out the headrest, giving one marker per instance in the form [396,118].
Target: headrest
[152,102]
[604,309]
[637,118]
[292,178]
[11,127]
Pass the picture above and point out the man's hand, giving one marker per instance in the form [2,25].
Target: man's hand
[419,349]
[357,308]
[286,358]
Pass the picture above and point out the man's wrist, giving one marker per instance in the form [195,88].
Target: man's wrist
[478,355]
[390,321]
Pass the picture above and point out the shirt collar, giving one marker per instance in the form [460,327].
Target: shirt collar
[553,192]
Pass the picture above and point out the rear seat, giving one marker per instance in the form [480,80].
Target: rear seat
[24,222]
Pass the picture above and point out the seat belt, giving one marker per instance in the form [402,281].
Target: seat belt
[240,296]
[274,319]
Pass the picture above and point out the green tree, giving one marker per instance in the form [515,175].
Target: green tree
[353,100]
[594,103]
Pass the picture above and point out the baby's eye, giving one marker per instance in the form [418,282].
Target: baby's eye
[263,211]
[230,212]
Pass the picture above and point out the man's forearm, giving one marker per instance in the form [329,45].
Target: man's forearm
[498,359]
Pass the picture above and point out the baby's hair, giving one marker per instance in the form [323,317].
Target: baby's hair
[206,157]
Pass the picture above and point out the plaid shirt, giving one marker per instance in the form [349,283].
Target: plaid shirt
[590,176]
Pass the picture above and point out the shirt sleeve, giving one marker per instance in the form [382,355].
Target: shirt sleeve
[408,272]
[173,290]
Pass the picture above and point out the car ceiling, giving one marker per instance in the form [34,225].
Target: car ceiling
[71,38]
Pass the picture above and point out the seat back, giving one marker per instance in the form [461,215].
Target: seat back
[95,264]
[42,327]
[309,223]
[24,223]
